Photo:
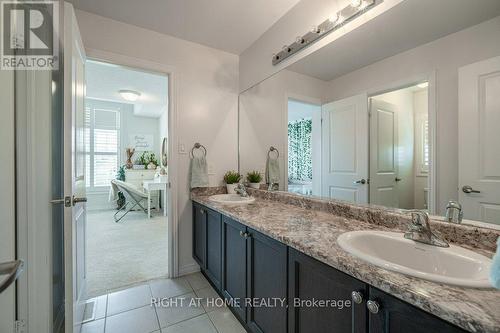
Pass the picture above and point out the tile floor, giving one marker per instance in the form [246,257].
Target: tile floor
[130,310]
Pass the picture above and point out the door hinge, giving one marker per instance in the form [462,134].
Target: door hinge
[20,326]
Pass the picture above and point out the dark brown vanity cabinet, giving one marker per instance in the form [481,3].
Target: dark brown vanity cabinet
[310,280]
[390,315]
[207,242]
[244,264]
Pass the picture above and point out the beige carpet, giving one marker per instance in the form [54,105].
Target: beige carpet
[124,253]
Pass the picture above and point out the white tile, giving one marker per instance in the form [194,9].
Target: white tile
[96,326]
[179,308]
[197,281]
[199,324]
[211,300]
[225,321]
[100,306]
[170,287]
[141,320]
[128,299]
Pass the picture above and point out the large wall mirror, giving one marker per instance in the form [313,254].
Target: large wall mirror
[406,117]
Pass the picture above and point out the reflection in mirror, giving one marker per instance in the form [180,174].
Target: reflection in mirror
[403,130]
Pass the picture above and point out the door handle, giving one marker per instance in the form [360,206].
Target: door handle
[78,200]
[397,179]
[69,201]
[12,269]
[468,189]
[361,181]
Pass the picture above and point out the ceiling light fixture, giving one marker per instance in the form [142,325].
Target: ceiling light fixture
[334,22]
[130,95]
[423,85]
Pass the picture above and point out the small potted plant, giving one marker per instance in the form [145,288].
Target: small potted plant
[254,178]
[232,178]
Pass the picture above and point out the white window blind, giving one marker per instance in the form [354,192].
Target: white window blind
[102,138]
[425,146]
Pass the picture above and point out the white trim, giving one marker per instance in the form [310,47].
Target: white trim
[170,71]
[432,107]
[189,269]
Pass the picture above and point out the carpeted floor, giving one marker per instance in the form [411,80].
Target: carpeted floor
[124,253]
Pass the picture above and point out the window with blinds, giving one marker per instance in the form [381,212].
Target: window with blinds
[102,140]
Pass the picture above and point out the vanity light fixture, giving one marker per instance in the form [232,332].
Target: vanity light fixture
[354,9]
[130,95]
[423,85]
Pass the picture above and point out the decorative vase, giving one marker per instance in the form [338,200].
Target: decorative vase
[231,188]
[254,185]
[130,153]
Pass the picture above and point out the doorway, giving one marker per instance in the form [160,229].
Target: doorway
[126,133]
[399,156]
[304,147]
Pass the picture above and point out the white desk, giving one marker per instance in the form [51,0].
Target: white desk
[156,185]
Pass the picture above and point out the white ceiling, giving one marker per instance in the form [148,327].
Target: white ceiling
[406,26]
[229,25]
[105,80]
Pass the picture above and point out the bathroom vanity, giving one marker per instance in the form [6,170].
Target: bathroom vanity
[275,248]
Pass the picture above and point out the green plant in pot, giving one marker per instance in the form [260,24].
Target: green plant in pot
[254,178]
[120,175]
[232,178]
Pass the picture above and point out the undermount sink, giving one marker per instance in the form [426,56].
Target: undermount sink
[453,265]
[231,199]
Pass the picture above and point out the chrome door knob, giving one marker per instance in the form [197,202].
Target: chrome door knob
[373,306]
[468,189]
[357,297]
[361,181]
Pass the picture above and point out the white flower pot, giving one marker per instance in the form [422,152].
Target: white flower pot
[254,185]
[231,188]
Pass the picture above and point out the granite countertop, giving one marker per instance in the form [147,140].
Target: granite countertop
[315,234]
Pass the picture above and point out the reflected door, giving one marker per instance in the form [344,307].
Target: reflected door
[479,137]
[383,154]
[345,150]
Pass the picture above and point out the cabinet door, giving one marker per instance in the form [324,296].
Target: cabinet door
[199,224]
[395,316]
[266,280]
[308,280]
[213,258]
[234,269]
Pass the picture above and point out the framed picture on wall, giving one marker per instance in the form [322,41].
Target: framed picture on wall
[142,142]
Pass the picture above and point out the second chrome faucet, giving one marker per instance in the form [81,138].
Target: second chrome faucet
[420,230]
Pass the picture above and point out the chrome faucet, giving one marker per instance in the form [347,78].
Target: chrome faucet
[420,230]
[271,186]
[454,213]
[241,190]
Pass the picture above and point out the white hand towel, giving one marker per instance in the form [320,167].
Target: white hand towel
[199,172]
[272,170]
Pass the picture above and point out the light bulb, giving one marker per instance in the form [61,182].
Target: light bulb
[356,3]
[334,18]
[423,85]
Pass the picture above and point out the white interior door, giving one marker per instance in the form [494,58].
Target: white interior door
[7,204]
[74,169]
[479,137]
[383,153]
[345,149]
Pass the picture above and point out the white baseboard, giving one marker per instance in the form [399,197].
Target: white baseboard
[188,269]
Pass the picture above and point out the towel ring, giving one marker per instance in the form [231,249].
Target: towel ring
[271,149]
[197,145]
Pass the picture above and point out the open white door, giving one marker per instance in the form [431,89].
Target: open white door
[344,173]
[383,154]
[74,173]
[478,139]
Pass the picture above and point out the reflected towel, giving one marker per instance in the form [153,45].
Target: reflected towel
[272,170]
[495,268]
[199,172]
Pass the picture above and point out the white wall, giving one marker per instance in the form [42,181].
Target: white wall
[255,61]
[206,100]
[444,56]
[263,118]
[403,100]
